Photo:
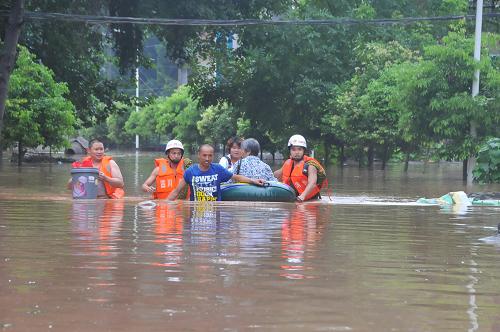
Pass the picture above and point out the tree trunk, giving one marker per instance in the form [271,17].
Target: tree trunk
[19,153]
[341,156]
[384,156]
[464,169]
[274,156]
[407,161]
[370,155]
[327,152]
[8,55]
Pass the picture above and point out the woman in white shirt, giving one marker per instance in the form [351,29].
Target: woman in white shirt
[233,149]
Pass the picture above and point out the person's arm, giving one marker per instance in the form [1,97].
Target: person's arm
[146,186]
[116,181]
[242,178]
[69,185]
[173,195]
[269,174]
[312,177]
[278,174]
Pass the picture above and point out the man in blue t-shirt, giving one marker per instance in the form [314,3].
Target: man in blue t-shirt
[205,178]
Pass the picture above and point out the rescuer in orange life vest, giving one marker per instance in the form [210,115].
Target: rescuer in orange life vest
[111,180]
[168,172]
[302,172]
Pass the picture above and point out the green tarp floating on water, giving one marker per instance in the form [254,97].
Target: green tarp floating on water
[458,197]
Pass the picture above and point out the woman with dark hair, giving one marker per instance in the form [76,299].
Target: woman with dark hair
[111,180]
[233,149]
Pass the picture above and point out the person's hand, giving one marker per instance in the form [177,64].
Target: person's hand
[148,189]
[300,198]
[259,182]
[103,176]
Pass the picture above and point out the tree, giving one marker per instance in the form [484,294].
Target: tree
[218,123]
[37,111]
[76,53]
[487,169]
[435,99]
[178,116]
[364,114]
[8,55]
[144,123]
[173,117]
[115,124]
[278,78]
[184,42]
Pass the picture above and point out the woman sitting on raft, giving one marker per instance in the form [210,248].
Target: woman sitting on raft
[111,179]
[250,165]
[233,148]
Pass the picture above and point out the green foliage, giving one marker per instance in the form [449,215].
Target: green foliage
[173,117]
[435,100]
[177,116]
[360,110]
[183,41]
[76,55]
[279,78]
[383,89]
[115,124]
[487,169]
[37,111]
[218,123]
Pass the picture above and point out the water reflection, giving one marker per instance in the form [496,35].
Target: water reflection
[168,231]
[96,225]
[299,236]
[246,266]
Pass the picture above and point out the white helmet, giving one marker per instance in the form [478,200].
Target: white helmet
[297,140]
[174,144]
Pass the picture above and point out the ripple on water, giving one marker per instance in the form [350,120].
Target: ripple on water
[228,266]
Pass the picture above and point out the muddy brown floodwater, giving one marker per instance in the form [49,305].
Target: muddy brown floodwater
[367,260]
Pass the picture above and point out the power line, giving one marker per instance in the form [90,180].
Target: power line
[90,19]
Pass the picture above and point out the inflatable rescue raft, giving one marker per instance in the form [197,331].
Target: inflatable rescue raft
[271,192]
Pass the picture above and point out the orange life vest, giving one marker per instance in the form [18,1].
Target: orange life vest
[294,176]
[167,178]
[105,167]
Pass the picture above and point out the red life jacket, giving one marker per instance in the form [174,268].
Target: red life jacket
[294,176]
[167,178]
[105,167]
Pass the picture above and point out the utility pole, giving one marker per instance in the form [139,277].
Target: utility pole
[471,162]
[136,101]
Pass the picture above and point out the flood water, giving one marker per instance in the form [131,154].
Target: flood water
[367,259]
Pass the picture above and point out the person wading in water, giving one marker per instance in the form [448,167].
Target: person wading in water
[168,172]
[302,172]
[111,180]
[205,177]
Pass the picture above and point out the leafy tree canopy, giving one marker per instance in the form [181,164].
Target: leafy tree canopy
[37,112]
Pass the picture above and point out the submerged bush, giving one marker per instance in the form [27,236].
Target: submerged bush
[487,169]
